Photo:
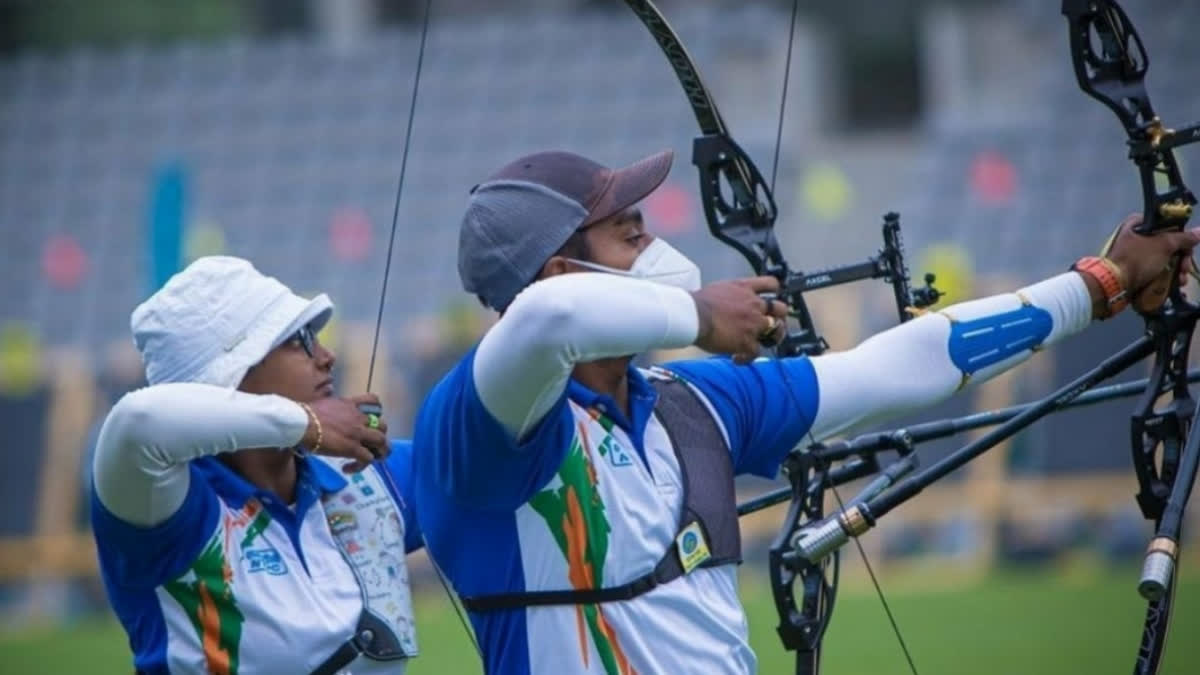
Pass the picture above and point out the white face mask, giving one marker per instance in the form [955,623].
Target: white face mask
[659,262]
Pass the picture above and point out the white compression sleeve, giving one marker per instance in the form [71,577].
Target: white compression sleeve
[140,467]
[523,363]
[914,365]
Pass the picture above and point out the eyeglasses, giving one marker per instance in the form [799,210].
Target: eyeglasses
[307,340]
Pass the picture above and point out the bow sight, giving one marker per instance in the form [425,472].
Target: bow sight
[740,211]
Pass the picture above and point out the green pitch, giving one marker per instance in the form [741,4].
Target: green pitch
[1035,622]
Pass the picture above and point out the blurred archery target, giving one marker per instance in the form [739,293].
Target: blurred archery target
[993,177]
[953,267]
[20,358]
[350,234]
[669,210]
[64,262]
[203,239]
[825,191]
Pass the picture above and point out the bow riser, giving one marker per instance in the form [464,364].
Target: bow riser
[1157,435]
[748,222]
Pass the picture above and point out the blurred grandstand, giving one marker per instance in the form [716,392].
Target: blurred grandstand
[280,140]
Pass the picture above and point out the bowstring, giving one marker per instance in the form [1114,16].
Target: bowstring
[387,268]
[887,609]
[787,76]
[787,380]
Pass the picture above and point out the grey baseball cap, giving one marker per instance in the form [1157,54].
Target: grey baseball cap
[522,214]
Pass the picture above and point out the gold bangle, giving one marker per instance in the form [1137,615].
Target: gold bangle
[320,434]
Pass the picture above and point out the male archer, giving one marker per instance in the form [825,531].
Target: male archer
[583,508]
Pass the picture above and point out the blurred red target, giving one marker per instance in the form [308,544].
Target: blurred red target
[64,262]
[993,178]
[669,210]
[350,234]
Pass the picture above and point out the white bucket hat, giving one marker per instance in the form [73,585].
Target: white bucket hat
[215,319]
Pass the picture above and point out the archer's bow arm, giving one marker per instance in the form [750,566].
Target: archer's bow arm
[926,360]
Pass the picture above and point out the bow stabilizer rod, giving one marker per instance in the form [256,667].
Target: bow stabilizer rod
[816,540]
[861,452]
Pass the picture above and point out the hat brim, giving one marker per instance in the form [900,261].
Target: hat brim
[630,185]
[315,315]
[272,329]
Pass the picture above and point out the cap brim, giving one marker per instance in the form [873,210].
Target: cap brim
[631,184]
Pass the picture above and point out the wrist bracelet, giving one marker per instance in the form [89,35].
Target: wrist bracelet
[311,415]
[1111,280]
[1116,270]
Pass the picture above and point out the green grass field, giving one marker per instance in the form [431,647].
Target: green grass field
[1085,622]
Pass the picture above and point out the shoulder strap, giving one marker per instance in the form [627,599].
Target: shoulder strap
[709,502]
[706,466]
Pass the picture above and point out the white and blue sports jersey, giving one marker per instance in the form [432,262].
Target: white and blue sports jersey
[592,499]
[238,583]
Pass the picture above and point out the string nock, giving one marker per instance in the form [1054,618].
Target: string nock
[1158,568]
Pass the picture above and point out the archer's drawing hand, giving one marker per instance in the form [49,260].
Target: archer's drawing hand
[1146,262]
[734,319]
[344,432]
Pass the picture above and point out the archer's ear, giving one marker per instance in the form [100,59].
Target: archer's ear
[555,266]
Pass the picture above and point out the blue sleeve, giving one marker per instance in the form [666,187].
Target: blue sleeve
[145,557]
[472,458]
[399,465]
[766,407]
